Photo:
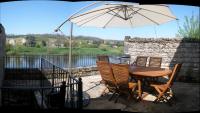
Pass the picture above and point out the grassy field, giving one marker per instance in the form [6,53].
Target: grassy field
[22,50]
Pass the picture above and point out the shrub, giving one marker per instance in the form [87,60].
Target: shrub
[190,28]
[103,47]
[38,46]
[8,47]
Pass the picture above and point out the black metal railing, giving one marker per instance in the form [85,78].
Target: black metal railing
[23,62]
[23,71]
[44,84]
[53,73]
[73,91]
[33,61]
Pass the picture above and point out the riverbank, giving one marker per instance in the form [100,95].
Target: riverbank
[23,50]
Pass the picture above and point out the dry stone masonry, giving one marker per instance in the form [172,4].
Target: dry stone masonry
[85,71]
[176,50]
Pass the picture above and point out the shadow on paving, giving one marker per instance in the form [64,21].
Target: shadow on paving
[187,99]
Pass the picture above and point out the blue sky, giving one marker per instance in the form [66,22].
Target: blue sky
[38,17]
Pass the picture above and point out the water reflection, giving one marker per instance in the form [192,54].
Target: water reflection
[59,60]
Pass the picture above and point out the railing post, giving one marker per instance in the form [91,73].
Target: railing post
[62,94]
[41,63]
[53,74]
[80,93]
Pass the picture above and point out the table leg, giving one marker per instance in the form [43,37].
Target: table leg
[139,89]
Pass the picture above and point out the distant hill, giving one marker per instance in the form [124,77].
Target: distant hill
[46,36]
[88,38]
[55,40]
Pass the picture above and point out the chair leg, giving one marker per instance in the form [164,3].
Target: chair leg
[112,96]
[129,97]
[158,99]
[155,101]
[117,98]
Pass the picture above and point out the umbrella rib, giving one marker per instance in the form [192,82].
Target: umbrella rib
[147,18]
[90,12]
[116,14]
[155,12]
[95,17]
[134,12]
[130,19]
[116,6]
[112,18]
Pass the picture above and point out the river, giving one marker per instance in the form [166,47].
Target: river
[34,61]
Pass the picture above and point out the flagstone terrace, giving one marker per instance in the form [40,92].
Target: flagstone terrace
[43,79]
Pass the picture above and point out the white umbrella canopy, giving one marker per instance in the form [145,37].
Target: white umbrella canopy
[124,14]
[119,14]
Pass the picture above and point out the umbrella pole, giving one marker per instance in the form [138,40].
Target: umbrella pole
[70,50]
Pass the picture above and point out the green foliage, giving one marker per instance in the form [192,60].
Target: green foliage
[190,28]
[94,51]
[38,45]
[31,42]
[66,44]
[23,50]
[44,44]
[104,47]
[86,44]
[8,47]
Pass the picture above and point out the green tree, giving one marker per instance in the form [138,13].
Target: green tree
[44,44]
[66,44]
[38,45]
[190,28]
[104,47]
[8,47]
[31,42]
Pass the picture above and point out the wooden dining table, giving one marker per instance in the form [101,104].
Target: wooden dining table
[146,72]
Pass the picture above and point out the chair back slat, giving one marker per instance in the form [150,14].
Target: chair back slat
[106,73]
[141,61]
[103,58]
[155,62]
[121,74]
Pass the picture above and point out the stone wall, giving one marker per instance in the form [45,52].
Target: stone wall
[172,51]
[85,71]
[2,53]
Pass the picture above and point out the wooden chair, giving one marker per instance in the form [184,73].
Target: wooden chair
[125,59]
[103,58]
[155,62]
[121,74]
[107,76]
[163,89]
[141,61]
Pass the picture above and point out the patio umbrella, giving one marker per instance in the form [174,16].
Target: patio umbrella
[124,14]
[121,14]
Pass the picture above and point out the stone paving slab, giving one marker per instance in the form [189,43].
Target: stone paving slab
[187,98]
[92,86]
